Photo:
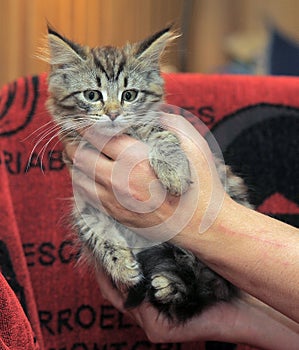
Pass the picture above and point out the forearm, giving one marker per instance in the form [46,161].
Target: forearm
[263,327]
[255,252]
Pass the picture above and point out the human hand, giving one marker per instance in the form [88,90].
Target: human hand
[159,329]
[117,177]
[246,321]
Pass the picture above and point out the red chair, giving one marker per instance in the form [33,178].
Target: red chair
[255,121]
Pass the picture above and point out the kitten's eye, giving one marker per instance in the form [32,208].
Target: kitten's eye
[93,95]
[129,95]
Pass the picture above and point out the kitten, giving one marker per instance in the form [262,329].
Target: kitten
[116,88]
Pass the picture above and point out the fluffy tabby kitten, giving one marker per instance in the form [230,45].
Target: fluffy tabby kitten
[116,88]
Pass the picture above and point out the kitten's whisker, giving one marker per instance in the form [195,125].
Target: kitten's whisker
[48,132]
[43,136]
[53,132]
[37,130]
[42,152]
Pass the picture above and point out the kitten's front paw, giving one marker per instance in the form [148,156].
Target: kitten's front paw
[167,289]
[175,180]
[171,165]
[121,264]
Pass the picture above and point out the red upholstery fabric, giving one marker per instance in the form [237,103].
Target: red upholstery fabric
[62,303]
[15,329]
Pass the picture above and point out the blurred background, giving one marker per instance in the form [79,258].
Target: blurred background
[219,36]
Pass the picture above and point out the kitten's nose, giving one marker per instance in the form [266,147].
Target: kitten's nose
[113,115]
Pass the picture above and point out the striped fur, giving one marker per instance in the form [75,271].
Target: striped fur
[120,90]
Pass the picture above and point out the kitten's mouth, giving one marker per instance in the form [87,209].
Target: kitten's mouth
[111,127]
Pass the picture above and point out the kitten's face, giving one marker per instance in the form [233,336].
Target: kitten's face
[113,87]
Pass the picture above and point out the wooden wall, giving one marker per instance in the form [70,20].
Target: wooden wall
[206,25]
[92,22]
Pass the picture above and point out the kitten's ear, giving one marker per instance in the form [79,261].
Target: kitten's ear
[152,47]
[62,50]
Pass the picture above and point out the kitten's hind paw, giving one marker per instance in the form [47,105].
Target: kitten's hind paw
[167,289]
[121,264]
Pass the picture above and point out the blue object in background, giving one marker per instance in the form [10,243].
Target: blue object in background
[282,55]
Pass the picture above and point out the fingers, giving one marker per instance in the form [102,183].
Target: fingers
[94,164]
[111,146]
[87,190]
[192,139]
[119,153]
[106,184]
[109,292]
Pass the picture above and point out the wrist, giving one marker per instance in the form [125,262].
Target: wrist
[203,244]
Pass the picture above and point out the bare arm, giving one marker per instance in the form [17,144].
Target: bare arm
[255,252]
[258,254]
